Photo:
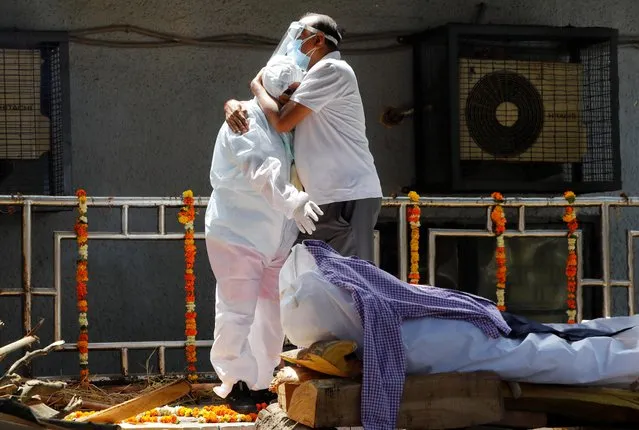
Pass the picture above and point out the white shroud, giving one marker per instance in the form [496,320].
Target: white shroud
[313,309]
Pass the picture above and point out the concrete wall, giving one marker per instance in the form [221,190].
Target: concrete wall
[144,123]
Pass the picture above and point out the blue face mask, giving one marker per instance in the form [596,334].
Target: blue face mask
[294,50]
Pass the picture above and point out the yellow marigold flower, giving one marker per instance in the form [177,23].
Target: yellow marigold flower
[413,196]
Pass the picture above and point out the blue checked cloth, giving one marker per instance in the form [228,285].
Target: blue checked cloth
[383,302]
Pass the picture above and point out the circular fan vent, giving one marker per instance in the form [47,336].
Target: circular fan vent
[504,114]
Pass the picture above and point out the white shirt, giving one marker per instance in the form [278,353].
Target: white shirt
[332,157]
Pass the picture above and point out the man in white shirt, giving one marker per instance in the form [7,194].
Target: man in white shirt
[332,156]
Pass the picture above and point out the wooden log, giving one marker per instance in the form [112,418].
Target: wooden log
[40,410]
[16,346]
[144,402]
[575,413]
[285,393]
[26,358]
[522,420]
[35,387]
[598,395]
[578,405]
[8,389]
[449,400]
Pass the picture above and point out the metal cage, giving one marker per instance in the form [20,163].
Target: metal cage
[524,109]
[35,138]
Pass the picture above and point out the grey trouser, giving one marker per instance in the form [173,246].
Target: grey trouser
[348,227]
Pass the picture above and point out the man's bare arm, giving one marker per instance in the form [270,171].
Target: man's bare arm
[282,120]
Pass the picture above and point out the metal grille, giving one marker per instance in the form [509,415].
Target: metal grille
[605,283]
[599,162]
[532,107]
[543,107]
[31,120]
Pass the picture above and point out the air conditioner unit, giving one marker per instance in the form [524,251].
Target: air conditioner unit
[518,109]
[521,111]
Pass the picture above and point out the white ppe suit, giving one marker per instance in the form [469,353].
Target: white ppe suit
[249,234]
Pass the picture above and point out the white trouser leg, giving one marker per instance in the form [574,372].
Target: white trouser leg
[266,337]
[238,271]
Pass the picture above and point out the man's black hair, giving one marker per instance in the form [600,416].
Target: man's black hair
[327,25]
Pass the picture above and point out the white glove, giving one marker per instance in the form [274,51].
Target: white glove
[305,215]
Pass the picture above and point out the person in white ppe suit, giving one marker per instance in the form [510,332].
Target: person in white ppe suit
[252,221]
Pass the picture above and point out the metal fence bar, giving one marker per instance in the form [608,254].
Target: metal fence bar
[114,346]
[27,300]
[580,274]
[125,219]
[450,202]
[161,223]
[521,219]
[402,243]
[162,360]
[605,257]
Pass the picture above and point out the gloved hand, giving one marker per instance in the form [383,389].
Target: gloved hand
[306,215]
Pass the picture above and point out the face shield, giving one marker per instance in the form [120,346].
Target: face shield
[292,41]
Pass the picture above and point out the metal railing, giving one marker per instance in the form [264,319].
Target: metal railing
[27,203]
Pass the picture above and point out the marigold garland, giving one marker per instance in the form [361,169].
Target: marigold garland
[174,415]
[186,216]
[570,218]
[498,219]
[414,214]
[81,278]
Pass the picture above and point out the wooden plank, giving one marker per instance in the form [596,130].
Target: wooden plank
[144,402]
[575,413]
[448,400]
[598,395]
[579,405]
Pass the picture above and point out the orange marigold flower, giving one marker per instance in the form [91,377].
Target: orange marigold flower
[81,288]
[495,214]
[81,229]
[83,345]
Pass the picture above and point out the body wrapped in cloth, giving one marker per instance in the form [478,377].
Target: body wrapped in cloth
[317,303]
